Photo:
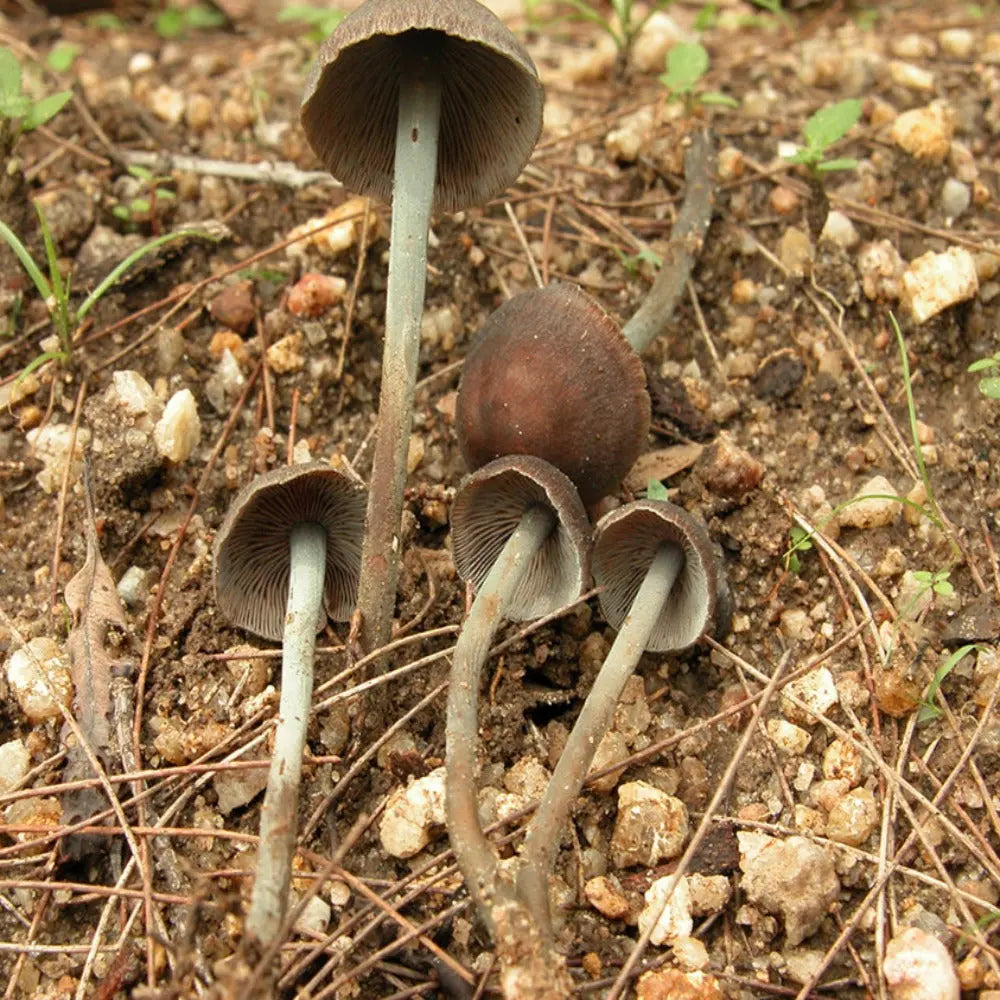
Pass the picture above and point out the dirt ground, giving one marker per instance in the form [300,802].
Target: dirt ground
[778,394]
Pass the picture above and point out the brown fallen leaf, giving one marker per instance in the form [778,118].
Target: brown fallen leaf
[661,464]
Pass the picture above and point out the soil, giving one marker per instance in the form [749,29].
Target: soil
[778,394]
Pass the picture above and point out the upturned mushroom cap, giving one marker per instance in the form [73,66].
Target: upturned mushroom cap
[625,542]
[550,374]
[491,101]
[252,549]
[489,506]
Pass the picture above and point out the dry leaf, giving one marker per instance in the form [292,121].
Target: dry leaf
[661,464]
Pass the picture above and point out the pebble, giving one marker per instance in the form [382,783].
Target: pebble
[984,675]
[228,340]
[727,470]
[236,788]
[873,506]
[935,281]
[926,132]
[651,826]
[139,63]
[313,294]
[411,815]
[839,229]
[178,431]
[672,984]
[612,750]
[853,819]
[51,446]
[690,954]
[793,878]
[795,251]
[39,679]
[226,383]
[133,587]
[314,919]
[659,34]
[917,966]
[200,112]
[779,374]
[180,742]
[784,200]
[730,164]
[956,197]
[335,231]
[881,269]
[956,42]
[669,921]
[285,355]
[626,142]
[233,307]
[709,893]
[14,763]
[167,104]
[817,692]
[604,893]
[236,115]
[787,737]
[912,46]
[439,327]
[842,759]
[130,393]
[906,74]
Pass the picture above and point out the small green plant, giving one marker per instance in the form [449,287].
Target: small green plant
[655,490]
[707,17]
[633,262]
[989,384]
[624,25]
[928,710]
[62,56]
[105,21]
[175,22]
[143,208]
[800,542]
[687,63]
[822,130]
[54,287]
[937,582]
[16,106]
[320,20]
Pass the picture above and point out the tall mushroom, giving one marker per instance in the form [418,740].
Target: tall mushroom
[286,557]
[551,374]
[521,537]
[657,570]
[437,105]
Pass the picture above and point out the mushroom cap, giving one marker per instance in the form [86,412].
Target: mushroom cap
[488,508]
[551,374]
[252,558]
[491,99]
[625,543]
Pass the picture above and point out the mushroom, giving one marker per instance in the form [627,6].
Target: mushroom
[521,537]
[439,106]
[657,570]
[286,557]
[550,374]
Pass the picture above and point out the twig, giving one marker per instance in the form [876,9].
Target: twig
[279,172]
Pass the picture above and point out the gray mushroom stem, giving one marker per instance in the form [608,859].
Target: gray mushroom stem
[269,901]
[476,857]
[542,837]
[413,193]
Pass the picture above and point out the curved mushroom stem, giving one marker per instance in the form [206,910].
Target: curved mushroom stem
[594,720]
[413,194]
[269,901]
[476,857]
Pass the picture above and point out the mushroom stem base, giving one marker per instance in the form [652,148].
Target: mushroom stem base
[269,901]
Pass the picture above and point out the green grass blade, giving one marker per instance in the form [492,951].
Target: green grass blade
[27,261]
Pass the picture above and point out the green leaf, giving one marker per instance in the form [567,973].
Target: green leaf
[139,206]
[27,261]
[715,97]
[983,363]
[806,156]
[706,17]
[655,490]
[14,105]
[105,22]
[139,172]
[169,23]
[201,16]
[831,123]
[48,107]
[687,63]
[10,74]
[990,387]
[61,57]
[928,710]
[842,163]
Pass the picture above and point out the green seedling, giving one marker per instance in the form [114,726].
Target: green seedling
[937,582]
[54,287]
[143,208]
[174,22]
[320,20]
[989,384]
[707,17]
[105,21]
[624,25]
[822,130]
[687,63]
[633,262]
[18,112]
[62,56]
[928,710]
[800,542]
[655,490]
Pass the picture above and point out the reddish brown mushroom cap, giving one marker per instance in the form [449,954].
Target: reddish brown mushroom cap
[625,543]
[251,550]
[491,102]
[489,506]
[550,374]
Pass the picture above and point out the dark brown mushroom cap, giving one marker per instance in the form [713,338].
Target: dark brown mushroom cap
[625,543]
[551,374]
[251,550]
[489,506]
[491,100]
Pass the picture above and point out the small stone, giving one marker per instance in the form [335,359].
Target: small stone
[784,200]
[709,893]
[133,396]
[795,251]
[956,42]
[39,679]
[816,690]
[14,763]
[935,281]
[228,340]
[133,587]
[314,919]
[809,820]
[650,827]
[335,231]
[167,104]
[912,46]
[881,269]
[955,198]
[439,327]
[917,966]
[527,777]
[414,453]
[236,788]
[779,375]
[411,815]
[180,742]
[874,506]
[905,74]
[839,229]
[604,893]
[199,113]
[787,737]
[178,431]
[659,34]
[744,291]
[236,115]
[626,142]
[233,307]
[794,878]
[139,63]
[612,750]
[853,819]
[285,355]
[51,444]
[730,164]
[313,294]
[843,759]
[727,470]
[690,954]
[669,921]
[926,132]
[226,383]
[672,984]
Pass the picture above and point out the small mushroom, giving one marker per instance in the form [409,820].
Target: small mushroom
[551,374]
[521,537]
[660,586]
[439,106]
[286,557]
